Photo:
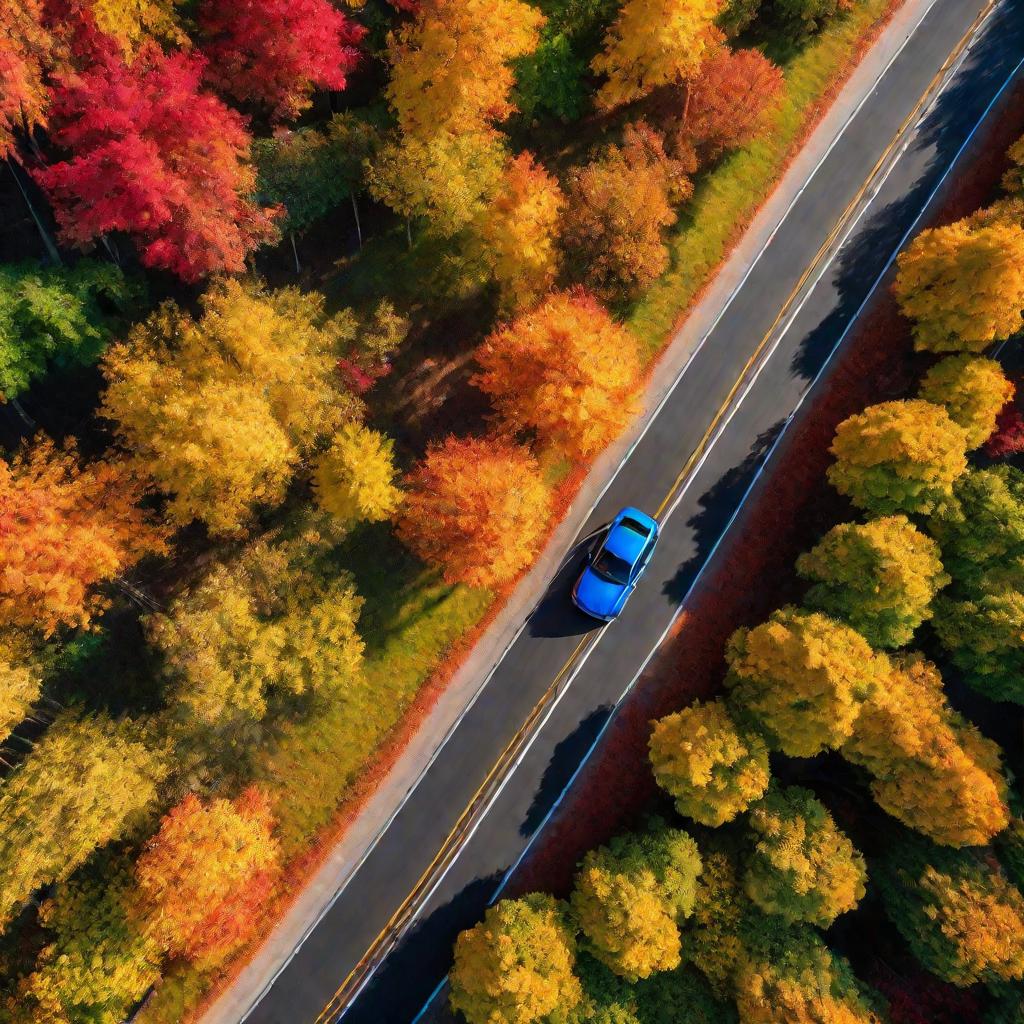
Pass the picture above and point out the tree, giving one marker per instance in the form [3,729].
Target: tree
[446,179]
[729,100]
[222,409]
[898,457]
[879,577]
[983,636]
[65,529]
[801,678]
[738,15]
[931,769]
[802,867]
[264,624]
[518,233]
[963,285]
[276,52]
[450,64]
[196,875]
[680,995]
[1013,180]
[654,43]
[796,977]
[804,17]
[154,156]
[551,79]
[57,315]
[516,966]
[972,390]
[565,370]
[476,508]
[1009,845]
[956,911]
[354,478]
[982,529]
[702,759]
[630,896]
[26,48]
[96,964]
[135,22]
[21,682]
[51,827]
[1008,438]
[618,207]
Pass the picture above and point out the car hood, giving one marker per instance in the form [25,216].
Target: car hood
[597,594]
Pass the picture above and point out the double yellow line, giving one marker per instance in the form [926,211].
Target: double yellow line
[393,931]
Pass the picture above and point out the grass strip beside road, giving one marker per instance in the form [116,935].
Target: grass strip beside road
[320,771]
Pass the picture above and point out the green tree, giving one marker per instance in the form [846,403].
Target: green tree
[1009,845]
[802,867]
[898,457]
[963,284]
[670,997]
[354,478]
[702,759]
[879,576]
[972,390]
[57,316]
[804,17]
[87,782]
[931,769]
[955,909]
[800,678]
[516,966]
[266,623]
[630,896]
[982,529]
[983,636]
[96,963]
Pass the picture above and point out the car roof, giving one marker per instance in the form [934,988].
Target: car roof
[629,534]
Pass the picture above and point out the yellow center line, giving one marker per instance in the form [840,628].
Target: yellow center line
[843,220]
[390,932]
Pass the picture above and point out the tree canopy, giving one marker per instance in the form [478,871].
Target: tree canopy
[972,390]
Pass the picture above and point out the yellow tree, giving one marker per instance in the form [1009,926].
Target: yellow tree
[930,768]
[898,457]
[221,409]
[20,682]
[801,679]
[702,759]
[132,22]
[354,478]
[196,876]
[518,232]
[476,508]
[963,285]
[87,782]
[654,43]
[802,867]
[450,64]
[64,530]
[1013,180]
[630,897]
[565,370]
[879,577]
[956,910]
[259,625]
[972,390]
[516,966]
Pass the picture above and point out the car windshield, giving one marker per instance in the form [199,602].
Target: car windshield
[611,567]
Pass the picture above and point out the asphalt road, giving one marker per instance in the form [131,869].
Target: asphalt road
[692,522]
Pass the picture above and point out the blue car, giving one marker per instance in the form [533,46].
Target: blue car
[614,569]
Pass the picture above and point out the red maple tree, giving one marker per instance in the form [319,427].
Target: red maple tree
[276,52]
[154,156]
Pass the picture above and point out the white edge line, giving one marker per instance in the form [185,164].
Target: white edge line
[746,495]
[629,452]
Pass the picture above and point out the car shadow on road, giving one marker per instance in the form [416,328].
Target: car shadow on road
[555,614]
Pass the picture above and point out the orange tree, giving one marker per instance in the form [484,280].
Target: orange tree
[476,508]
[565,370]
[64,529]
[204,875]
